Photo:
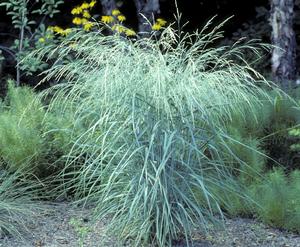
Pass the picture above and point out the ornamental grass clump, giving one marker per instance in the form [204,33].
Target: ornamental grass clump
[17,202]
[153,114]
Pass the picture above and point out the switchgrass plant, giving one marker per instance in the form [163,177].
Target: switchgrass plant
[153,114]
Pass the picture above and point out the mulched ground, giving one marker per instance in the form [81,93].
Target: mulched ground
[62,225]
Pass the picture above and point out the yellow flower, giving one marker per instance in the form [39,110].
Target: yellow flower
[56,29]
[66,32]
[84,5]
[84,21]
[121,18]
[130,32]
[86,14]
[42,40]
[161,22]
[118,28]
[156,27]
[116,12]
[92,4]
[88,26]
[50,28]
[77,21]
[107,19]
[76,11]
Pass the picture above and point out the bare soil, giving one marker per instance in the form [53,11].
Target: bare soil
[63,225]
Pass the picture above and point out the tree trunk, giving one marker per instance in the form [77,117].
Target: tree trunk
[146,11]
[108,6]
[283,37]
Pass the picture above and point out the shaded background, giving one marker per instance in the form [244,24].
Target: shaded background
[197,12]
[249,19]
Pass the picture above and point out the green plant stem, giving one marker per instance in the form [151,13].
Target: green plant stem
[20,49]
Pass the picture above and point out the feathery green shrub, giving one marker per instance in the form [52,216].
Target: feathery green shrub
[153,114]
[247,159]
[278,199]
[31,139]
[21,142]
[270,195]
[294,133]
[276,141]
[293,220]
[268,131]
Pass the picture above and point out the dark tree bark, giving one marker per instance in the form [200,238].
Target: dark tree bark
[108,6]
[283,37]
[146,12]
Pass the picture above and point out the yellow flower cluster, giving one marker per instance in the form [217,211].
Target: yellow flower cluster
[116,12]
[116,18]
[83,8]
[59,30]
[118,28]
[84,11]
[121,18]
[82,18]
[121,29]
[107,19]
[88,26]
[116,15]
[129,32]
[159,24]
[79,21]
